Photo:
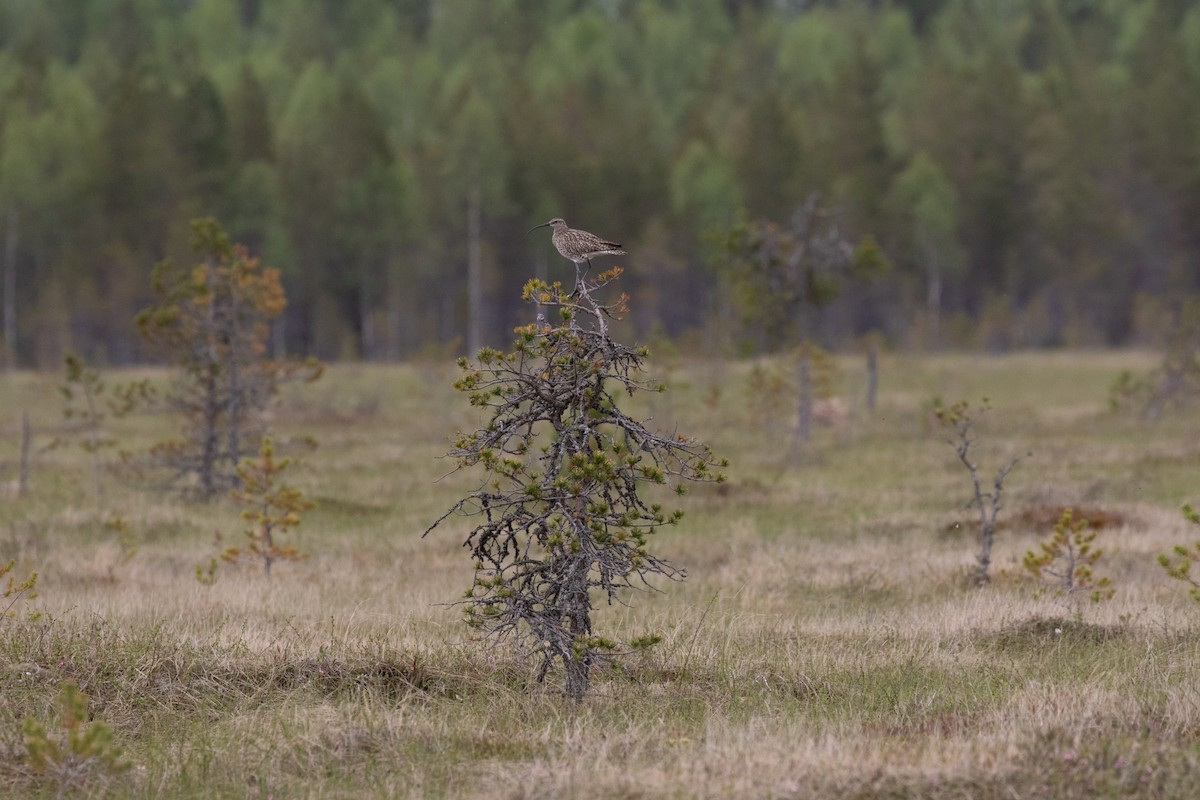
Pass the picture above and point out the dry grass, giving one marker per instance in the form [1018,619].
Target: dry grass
[825,644]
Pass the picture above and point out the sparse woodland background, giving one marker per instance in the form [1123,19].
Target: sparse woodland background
[1031,169]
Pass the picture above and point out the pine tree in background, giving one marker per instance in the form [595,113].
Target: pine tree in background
[212,322]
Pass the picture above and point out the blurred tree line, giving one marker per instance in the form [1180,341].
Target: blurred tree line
[1030,168]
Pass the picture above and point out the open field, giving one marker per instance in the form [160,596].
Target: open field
[825,644]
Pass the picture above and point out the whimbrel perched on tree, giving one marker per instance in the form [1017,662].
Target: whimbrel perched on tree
[578,246]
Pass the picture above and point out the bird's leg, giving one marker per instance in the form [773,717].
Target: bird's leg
[580,277]
[578,281]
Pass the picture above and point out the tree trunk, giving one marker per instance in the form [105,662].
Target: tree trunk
[579,621]
[573,598]
[10,290]
[26,442]
[393,336]
[987,535]
[366,325]
[268,547]
[933,303]
[872,376]
[577,678]
[94,443]
[804,407]
[209,433]
[474,271]
[236,383]
[278,337]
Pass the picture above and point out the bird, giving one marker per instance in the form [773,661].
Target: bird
[578,246]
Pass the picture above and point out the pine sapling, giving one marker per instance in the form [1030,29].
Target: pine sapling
[272,509]
[81,391]
[1175,380]
[127,546]
[1067,558]
[816,374]
[85,750]
[11,591]
[26,448]
[206,573]
[766,396]
[213,322]
[1180,567]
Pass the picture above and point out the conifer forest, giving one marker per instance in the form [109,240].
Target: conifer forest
[1027,172]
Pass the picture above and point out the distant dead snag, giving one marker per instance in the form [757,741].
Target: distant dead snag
[961,418]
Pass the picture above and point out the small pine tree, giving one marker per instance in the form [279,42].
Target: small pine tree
[212,321]
[14,590]
[206,574]
[1175,382]
[563,503]
[271,509]
[816,376]
[127,546]
[1068,556]
[88,748]
[1180,568]
[81,393]
[780,273]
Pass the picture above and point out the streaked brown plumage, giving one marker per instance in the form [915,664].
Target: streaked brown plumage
[578,246]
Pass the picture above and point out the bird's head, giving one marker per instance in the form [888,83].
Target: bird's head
[558,223]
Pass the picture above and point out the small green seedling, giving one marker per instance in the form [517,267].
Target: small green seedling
[14,590]
[1066,559]
[272,510]
[1180,568]
[80,751]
